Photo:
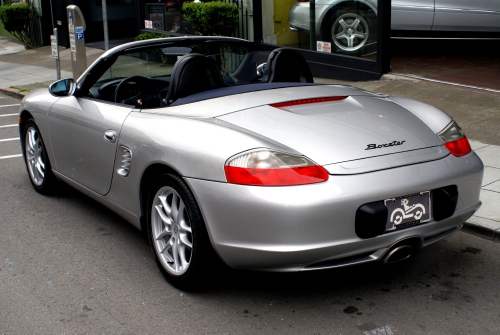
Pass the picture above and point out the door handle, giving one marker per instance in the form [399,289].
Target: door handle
[110,136]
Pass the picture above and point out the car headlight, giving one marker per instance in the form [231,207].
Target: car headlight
[266,167]
[454,140]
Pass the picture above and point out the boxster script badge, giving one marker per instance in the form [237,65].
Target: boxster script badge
[378,146]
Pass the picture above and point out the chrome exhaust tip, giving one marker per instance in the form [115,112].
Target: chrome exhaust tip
[398,254]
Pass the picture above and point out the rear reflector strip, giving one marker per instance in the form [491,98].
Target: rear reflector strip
[306,101]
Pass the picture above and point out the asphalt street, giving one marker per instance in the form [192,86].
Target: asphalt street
[69,265]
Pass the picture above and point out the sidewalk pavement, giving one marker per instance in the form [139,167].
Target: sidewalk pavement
[477,112]
[24,70]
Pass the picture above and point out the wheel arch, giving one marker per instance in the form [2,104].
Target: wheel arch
[25,115]
[148,176]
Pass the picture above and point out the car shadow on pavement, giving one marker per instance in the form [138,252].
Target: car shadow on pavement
[439,272]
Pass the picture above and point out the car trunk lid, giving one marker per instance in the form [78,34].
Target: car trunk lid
[371,130]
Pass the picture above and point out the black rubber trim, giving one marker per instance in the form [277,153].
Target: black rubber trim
[444,202]
[371,219]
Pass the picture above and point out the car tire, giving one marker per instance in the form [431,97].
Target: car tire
[37,162]
[352,31]
[177,233]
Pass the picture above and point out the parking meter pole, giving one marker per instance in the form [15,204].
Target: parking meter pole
[105,24]
[312,24]
[76,26]
[58,62]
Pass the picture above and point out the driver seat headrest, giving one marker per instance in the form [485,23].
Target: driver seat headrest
[193,73]
[287,65]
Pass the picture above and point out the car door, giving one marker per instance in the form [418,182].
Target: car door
[412,14]
[84,135]
[467,15]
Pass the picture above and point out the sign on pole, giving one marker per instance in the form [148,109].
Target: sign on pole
[55,52]
[79,33]
[53,43]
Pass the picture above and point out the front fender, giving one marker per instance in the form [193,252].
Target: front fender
[38,104]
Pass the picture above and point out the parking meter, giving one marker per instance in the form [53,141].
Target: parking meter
[76,26]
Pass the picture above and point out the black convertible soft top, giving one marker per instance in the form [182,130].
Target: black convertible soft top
[232,90]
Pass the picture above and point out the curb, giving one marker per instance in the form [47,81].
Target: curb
[416,79]
[480,231]
[391,76]
[13,92]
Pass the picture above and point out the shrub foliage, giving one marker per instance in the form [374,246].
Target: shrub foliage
[149,35]
[212,18]
[16,20]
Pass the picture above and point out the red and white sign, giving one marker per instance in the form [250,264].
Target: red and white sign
[158,20]
[148,24]
[324,46]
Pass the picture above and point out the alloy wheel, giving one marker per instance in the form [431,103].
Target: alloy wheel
[171,231]
[34,156]
[350,32]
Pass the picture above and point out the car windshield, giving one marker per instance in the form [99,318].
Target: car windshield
[142,73]
[158,62]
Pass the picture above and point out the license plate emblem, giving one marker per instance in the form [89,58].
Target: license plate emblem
[408,210]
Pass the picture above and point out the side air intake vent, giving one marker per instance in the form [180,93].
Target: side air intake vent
[126,161]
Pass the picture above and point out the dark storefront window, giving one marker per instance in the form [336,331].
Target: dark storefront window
[164,16]
[341,39]
[346,28]
[346,40]
[114,2]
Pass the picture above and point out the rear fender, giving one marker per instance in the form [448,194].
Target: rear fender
[433,117]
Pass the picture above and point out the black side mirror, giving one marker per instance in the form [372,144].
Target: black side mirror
[63,87]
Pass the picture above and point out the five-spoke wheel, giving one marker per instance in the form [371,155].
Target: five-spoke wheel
[34,155]
[350,32]
[171,231]
[177,233]
[36,160]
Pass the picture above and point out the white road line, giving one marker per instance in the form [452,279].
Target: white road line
[9,125]
[9,139]
[9,114]
[11,156]
[10,105]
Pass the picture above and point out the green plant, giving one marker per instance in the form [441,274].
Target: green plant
[16,20]
[212,18]
[149,35]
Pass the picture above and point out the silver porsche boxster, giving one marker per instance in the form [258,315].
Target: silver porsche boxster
[217,150]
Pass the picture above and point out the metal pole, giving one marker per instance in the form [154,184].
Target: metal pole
[52,14]
[312,24]
[105,24]
[58,62]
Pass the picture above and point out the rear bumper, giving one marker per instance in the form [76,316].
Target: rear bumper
[312,226]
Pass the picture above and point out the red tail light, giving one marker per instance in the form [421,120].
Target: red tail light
[455,140]
[302,0]
[263,167]
[459,147]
